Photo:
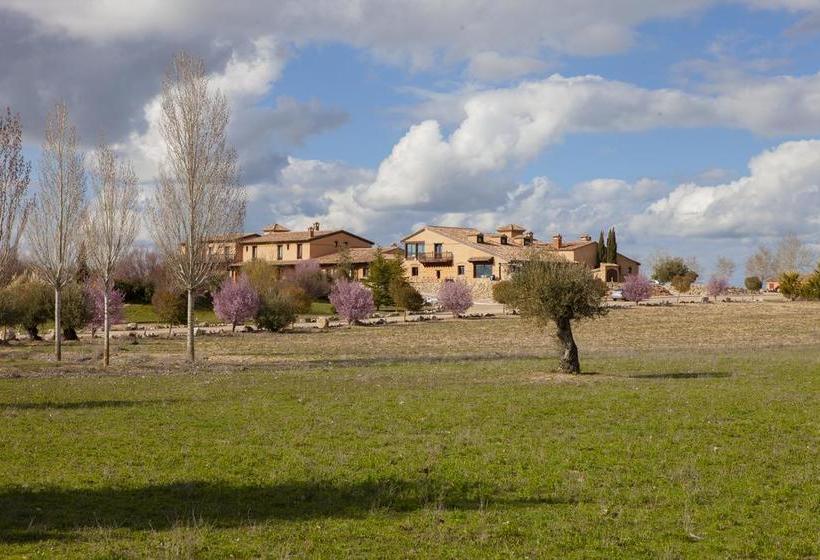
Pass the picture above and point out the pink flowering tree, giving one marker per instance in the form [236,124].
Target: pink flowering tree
[353,301]
[636,287]
[116,306]
[456,297]
[717,286]
[236,301]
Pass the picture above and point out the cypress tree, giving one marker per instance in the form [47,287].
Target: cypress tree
[611,247]
[601,248]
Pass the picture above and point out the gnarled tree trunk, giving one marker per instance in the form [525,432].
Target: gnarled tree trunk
[569,362]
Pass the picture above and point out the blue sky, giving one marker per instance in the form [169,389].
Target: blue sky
[692,126]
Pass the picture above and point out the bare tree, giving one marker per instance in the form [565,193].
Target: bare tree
[198,196]
[111,224]
[724,267]
[15,174]
[55,232]
[761,264]
[793,256]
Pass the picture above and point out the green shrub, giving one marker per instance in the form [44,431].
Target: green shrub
[667,268]
[75,311]
[276,311]
[810,288]
[503,292]
[683,282]
[35,303]
[405,296]
[790,285]
[753,283]
[170,306]
[299,299]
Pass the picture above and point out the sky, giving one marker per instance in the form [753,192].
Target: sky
[690,126]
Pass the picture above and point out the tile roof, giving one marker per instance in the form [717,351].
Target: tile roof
[295,236]
[495,248]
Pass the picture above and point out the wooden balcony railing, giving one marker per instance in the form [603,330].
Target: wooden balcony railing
[436,257]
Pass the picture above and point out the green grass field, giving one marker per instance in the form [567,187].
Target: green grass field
[446,439]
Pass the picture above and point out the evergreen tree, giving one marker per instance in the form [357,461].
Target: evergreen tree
[601,257]
[611,247]
[382,272]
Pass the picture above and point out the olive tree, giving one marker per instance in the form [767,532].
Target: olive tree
[559,292]
[111,226]
[55,231]
[198,197]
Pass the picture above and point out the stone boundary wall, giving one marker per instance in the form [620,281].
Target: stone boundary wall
[482,287]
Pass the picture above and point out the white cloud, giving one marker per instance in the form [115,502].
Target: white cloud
[504,128]
[420,32]
[491,66]
[780,194]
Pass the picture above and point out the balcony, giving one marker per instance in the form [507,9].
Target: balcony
[437,257]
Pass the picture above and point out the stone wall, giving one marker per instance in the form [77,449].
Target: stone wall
[482,287]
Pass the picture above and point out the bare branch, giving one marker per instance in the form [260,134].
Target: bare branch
[15,174]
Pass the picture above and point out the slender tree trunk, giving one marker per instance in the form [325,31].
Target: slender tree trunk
[106,330]
[233,327]
[190,345]
[58,332]
[569,362]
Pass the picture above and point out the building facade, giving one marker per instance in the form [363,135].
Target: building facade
[436,253]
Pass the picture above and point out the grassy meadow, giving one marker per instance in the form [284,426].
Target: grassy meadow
[693,434]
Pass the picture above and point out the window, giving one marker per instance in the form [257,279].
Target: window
[438,248]
[411,250]
[253,252]
[438,275]
[630,270]
[365,271]
[461,270]
[414,271]
[479,238]
[482,270]
[279,252]
[298,250]
[503,239]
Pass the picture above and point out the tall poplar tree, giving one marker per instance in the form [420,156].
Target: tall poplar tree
[611,247]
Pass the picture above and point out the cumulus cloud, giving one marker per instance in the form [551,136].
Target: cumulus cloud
[491,66]
[506,127]
[781,193]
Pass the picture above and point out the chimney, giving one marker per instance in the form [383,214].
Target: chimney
[586,237]
[315,226]
[556,240]
[310,231]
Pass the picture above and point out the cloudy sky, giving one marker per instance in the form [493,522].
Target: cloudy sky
[691,126]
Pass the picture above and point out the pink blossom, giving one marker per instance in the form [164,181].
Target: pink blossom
[353,301]
[236,301]
[717,286]
[456,297]
[116,309]
[636,287]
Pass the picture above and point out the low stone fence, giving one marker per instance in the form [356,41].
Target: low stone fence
[482,287]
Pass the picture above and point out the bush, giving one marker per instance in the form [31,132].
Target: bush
[35,304]
[753,283]
[353,301]
[636,287]
[456,297]
[308,276]
[76,310]
[683,283]
[299,299]
[790,285]
[405,296]
[9,310]
[667,268]
[236,301]
[263,277]
[810,288]
[276,311]
[503,292]
[170,306]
